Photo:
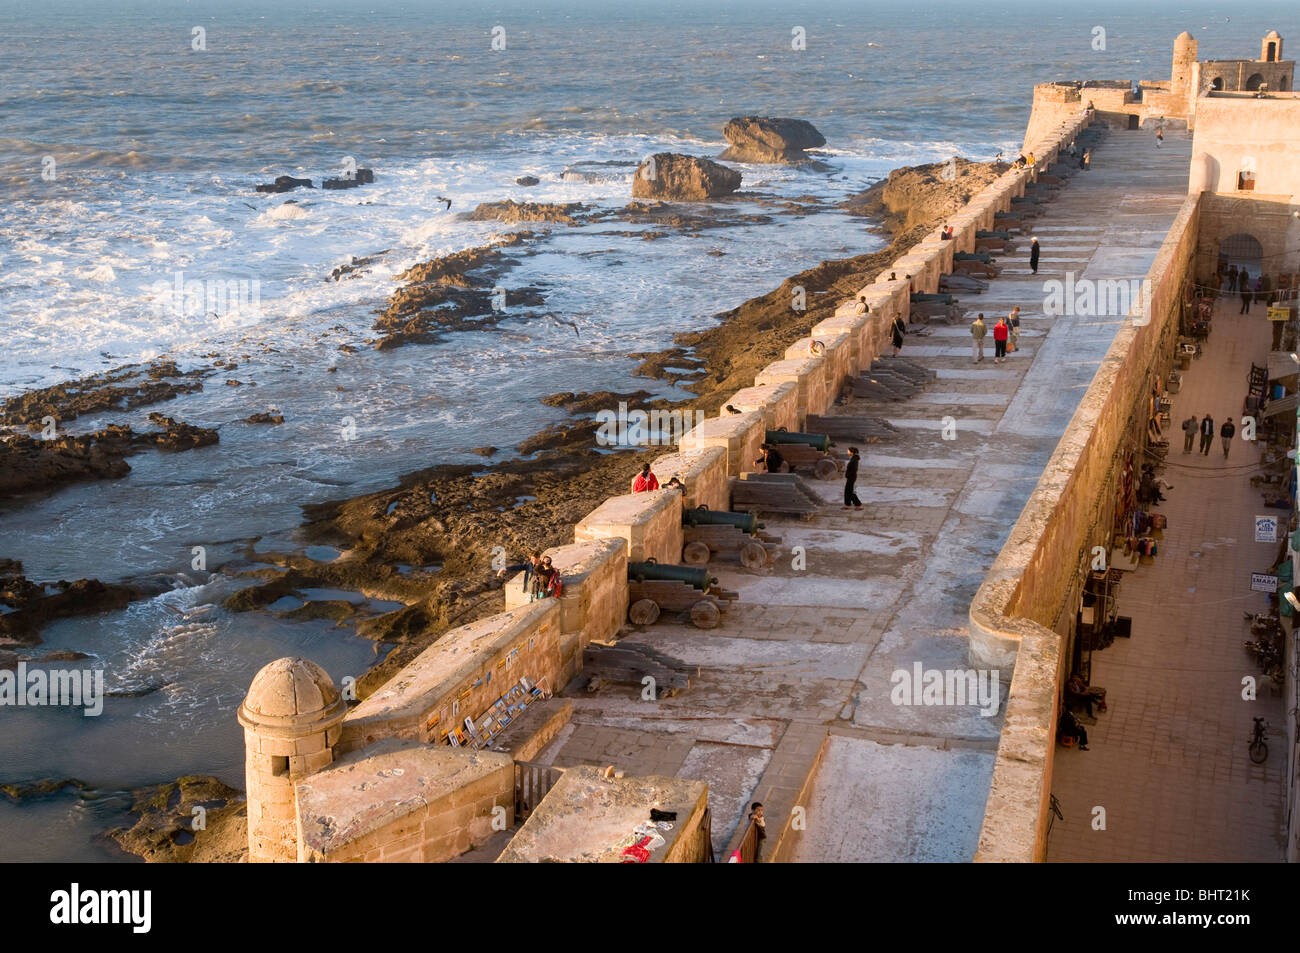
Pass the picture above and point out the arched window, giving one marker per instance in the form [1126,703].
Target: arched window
[1256,79]
[1216,83]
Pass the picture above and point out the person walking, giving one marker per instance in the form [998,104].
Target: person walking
[1033,255]
[1086,162]
[1000,334]
[977,331]
[1013,320]
[1261,290]
[1190,427]
[1207,434]
[645,480]
[899,329]
[1232,278]
[1160,138]
[1243,282]
[850,478]
[1227,432]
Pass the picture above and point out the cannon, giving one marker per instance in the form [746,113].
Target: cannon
[785,437]
[653,587]
[1023,200]
[652,570]
[706,532]
[984,233]
[923,298]
[972,256]
[703,516]
[802,450]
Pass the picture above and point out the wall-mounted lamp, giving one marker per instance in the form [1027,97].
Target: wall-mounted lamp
[1290,597]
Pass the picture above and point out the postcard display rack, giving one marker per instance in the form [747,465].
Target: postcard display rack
[479,732]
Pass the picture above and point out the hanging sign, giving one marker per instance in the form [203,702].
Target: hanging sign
[1266,529]
[1263,582]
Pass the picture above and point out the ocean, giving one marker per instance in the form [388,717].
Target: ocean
[132,136]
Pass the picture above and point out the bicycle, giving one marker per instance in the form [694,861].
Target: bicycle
[1258,749]
[1055,813]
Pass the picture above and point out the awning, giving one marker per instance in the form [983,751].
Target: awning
[1281,365]
[1282,405]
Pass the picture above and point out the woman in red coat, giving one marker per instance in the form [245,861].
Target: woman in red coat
[1000,334]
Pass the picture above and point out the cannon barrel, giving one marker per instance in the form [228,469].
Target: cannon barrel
[818,441]
[984,233]
[691,575]
[973,256]
[703,516]
[1026,200]
[920,297]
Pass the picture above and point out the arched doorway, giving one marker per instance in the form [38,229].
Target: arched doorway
[1216,83]
[1242,250]
[1256,79]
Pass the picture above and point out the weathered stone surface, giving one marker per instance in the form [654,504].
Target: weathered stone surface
[768,140]
[679,178]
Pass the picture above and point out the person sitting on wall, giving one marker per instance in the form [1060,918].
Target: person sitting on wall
[645,480]
[863,307]
[946,234]
[1020,161]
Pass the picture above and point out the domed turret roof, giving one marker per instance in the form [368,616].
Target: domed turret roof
[1183,39]
[295,688]
[1272,35]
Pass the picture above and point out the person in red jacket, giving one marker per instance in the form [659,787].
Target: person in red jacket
[645,480]
[1000,334]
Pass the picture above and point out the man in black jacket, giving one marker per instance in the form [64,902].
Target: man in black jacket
[850,477]
[1207,434]
[1227,432]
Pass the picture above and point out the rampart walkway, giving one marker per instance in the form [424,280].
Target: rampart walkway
[812,650]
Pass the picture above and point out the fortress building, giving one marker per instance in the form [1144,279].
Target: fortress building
[461,744]
[1174,102]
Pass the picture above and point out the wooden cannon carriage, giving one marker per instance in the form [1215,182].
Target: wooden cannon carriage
[975,264]
[653,587]
[804,451]
[706,532]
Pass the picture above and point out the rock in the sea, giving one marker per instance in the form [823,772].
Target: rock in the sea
[177,435]
[362,177]
[679,178]
[510,211]
[769,140]
[265,417]
[527,180]
[285,183]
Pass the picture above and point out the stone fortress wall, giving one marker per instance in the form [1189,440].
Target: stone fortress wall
[1022,613]
[377,783]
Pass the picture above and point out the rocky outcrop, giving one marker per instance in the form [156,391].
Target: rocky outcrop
[122,389]
[169,829]
[527,180]
[510,212]
[766,140]
[285,183]
[31,605]
[921,193]
[679,178]
[361,177]
[28,464]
